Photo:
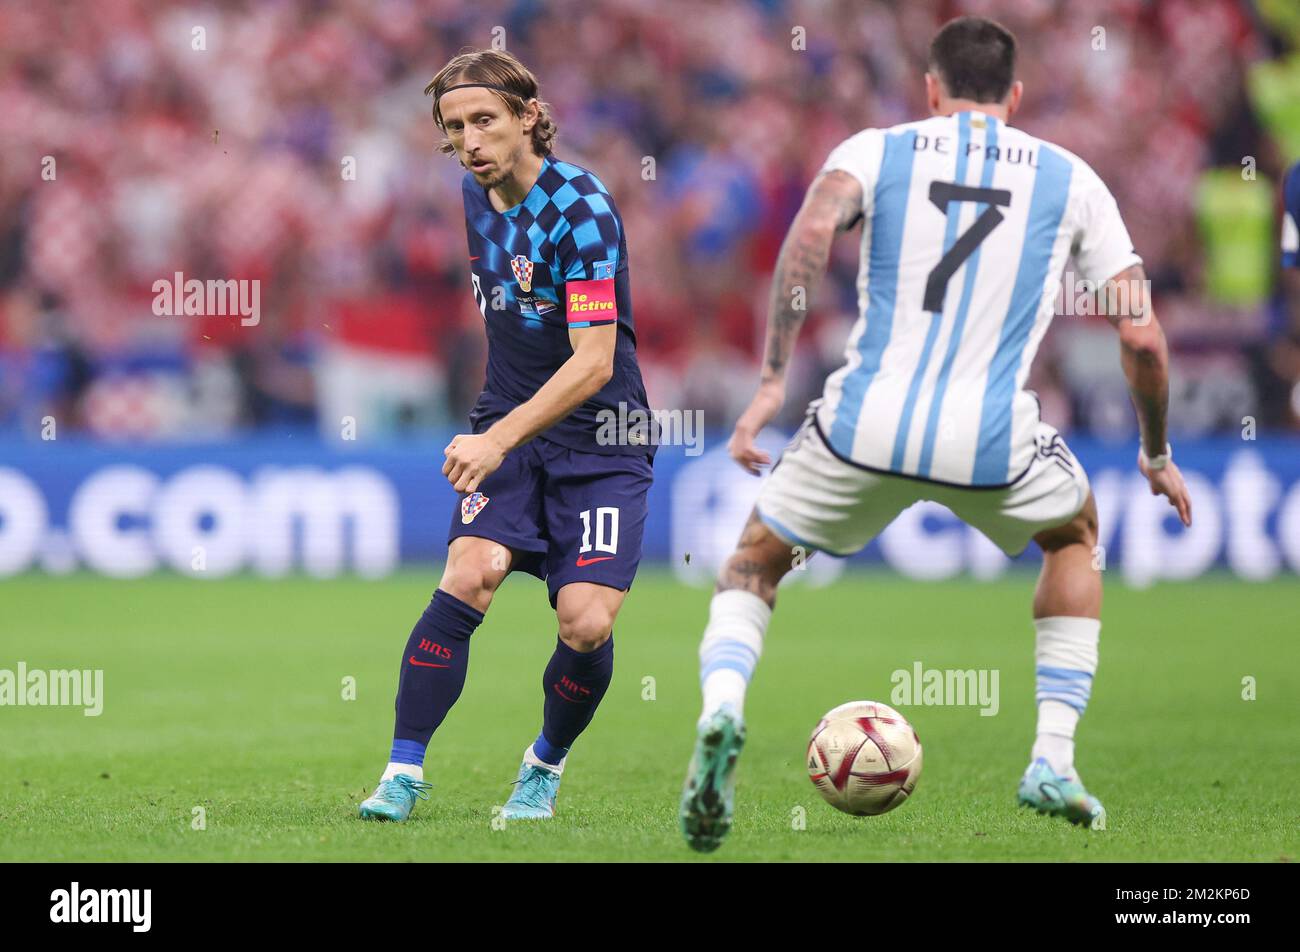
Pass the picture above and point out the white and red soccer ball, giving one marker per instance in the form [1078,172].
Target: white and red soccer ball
[864,758]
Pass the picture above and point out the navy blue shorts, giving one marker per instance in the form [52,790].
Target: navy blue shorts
[569,516]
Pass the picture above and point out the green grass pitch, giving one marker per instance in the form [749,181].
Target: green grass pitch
[228,695]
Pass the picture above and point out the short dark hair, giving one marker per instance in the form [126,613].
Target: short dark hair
[975,59]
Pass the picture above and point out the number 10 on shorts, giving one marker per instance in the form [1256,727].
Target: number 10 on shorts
[606,530]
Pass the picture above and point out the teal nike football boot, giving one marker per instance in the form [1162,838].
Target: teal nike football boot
[394,798]
[534,795]
[1042,789]
[708,798]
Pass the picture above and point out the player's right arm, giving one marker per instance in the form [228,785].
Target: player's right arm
[1144,355]
[833,204]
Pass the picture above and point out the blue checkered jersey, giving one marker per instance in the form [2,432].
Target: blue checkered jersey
[554,262]
[1291,218]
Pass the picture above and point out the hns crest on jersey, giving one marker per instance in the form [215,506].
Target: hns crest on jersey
[602,271]
[523,269]
[471,506]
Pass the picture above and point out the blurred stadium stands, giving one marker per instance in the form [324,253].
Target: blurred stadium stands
[232,161]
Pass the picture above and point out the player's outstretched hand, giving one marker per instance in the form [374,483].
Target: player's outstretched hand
[765,405]
[471,459]
[1169,482]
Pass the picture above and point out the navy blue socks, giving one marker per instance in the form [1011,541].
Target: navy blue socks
[574,683]
[433,673]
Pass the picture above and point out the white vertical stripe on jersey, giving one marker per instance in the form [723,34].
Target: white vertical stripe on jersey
[975,170]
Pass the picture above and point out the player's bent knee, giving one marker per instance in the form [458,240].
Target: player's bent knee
[586,628]
[472,580]
[1081,530]
[471,588]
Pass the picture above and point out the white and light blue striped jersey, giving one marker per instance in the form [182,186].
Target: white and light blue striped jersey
[967,226]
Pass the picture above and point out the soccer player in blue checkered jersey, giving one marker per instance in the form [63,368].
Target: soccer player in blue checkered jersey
[967,223]
[543,487]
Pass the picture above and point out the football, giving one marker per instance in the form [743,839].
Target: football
[864,758]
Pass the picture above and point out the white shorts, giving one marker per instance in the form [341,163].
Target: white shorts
[817,500]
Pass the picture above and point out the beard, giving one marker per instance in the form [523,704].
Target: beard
[504,169]
[493,181]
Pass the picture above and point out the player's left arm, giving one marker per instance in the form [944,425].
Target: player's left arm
[472,458]
[1103,250]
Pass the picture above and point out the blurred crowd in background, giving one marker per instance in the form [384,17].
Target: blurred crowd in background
[288,141]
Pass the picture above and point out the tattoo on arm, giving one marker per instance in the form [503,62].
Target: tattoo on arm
[833,204]
[1153,418]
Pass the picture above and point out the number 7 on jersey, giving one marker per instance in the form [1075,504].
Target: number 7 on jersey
[941,193]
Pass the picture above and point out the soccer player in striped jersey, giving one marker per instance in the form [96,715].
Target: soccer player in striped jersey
[967,223]
[545,486]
